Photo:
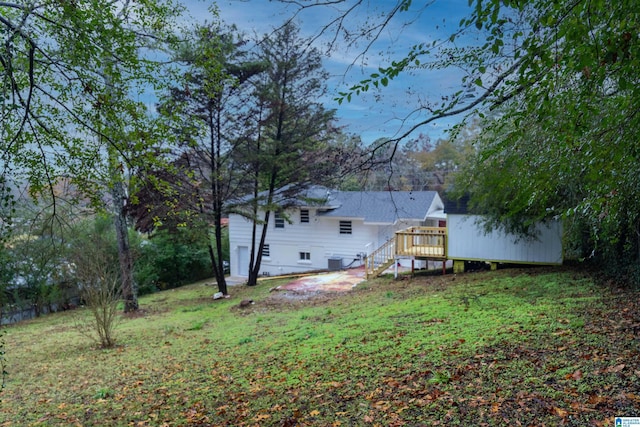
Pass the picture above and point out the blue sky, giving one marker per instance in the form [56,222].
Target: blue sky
[376,114]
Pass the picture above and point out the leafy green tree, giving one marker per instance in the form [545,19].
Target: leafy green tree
[396,167]
[62,64]
[34,260]
[287,149]
[210,101]
[565,131]
[6,276]
[416,164]
[35,273]
[71,71]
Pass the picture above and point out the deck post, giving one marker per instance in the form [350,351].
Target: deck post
[458,266]
[395,268]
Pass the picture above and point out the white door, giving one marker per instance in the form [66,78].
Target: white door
[243,261]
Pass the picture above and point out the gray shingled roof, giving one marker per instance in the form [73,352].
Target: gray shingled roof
[379,206]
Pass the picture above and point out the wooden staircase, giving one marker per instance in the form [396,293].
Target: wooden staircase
[380,259]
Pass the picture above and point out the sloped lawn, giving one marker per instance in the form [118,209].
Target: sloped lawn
[531,347]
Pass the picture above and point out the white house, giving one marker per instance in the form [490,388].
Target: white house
[337,230]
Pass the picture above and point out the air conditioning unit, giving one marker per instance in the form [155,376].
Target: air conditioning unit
[335,264]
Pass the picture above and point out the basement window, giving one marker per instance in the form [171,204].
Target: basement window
[304,216]
[345,227]
[305,256]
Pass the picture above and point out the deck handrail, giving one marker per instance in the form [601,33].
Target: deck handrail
[381,257]
[420,242]
[424,242]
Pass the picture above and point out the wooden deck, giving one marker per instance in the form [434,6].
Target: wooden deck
[422,242]
[427,243]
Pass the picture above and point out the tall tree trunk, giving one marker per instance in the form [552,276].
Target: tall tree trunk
[218,266]
[254,266]
[128,286]
[256,258]
[218,196]
[215,255]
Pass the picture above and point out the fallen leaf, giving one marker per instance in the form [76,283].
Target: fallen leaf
[580,407]
[595,399]
[633,396]
[575,376]
[560,412]
[615,369]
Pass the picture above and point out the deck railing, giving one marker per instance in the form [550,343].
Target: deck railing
[419,242]
[422,242]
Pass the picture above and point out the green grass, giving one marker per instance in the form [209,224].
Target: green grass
[532,346]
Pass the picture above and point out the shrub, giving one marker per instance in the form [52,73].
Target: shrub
[97,273]
[169,260]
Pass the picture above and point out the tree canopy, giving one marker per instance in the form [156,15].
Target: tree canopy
[71,76]
[69,69]
[561,140]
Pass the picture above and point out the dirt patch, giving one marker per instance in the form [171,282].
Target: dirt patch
[320,285]
[338,281]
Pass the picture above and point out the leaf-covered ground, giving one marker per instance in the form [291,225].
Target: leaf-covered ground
[530,347]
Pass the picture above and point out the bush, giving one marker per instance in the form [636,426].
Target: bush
[169,260]
[97,273]
[101,294]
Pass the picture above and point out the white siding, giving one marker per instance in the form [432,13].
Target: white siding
[467,240]
[320,237]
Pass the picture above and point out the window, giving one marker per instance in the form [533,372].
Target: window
[305,256]
[279,220]
[265,251]
[345,227]
[304,215]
